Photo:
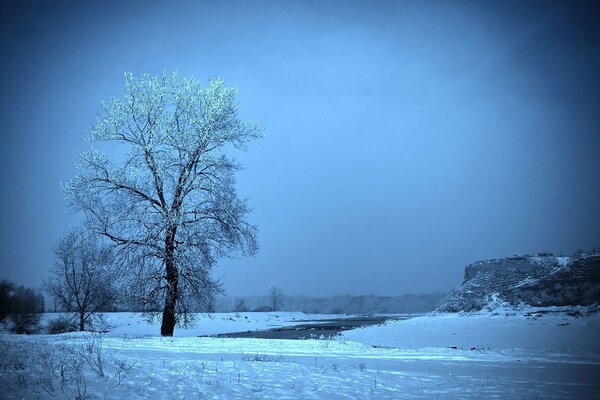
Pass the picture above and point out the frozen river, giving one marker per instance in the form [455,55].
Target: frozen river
[324,328]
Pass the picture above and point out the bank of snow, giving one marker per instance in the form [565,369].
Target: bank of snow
[568,331]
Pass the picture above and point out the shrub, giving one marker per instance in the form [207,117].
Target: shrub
[263,309]
[26,323]
[25,313]
[61,324]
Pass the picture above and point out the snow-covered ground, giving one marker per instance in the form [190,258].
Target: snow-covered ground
[135,325]
[447,356]
[524,331]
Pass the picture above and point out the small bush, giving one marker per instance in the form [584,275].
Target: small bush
[25,313]
[25,323]
[91,351]
[61,324]
[263,309]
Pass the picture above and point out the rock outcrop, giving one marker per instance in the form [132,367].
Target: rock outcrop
[542,280]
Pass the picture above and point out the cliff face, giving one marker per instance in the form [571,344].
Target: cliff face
[538,281]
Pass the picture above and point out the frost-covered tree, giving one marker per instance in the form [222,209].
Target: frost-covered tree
[82,278]
[168,200]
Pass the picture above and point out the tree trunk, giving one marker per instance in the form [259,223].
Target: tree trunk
[81,322]
[168,317]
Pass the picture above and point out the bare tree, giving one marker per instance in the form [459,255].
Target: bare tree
[169,202]
[82,276]
[276,295]
[240,305]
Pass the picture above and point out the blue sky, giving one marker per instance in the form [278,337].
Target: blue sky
[403,140]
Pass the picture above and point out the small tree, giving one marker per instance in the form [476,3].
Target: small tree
[240,305]
[210,303]
[82,277]
[276,295]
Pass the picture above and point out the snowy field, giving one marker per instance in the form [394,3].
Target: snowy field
[134,325]
[505,355]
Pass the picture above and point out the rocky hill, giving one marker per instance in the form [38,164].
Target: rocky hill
[542,280]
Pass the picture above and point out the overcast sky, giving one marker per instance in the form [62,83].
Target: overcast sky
[403,139]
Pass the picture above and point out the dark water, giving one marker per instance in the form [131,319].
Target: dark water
[316,328]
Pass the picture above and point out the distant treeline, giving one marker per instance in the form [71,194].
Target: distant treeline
[340,304]
[276,300]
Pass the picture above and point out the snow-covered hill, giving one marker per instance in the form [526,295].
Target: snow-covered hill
[540,281]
